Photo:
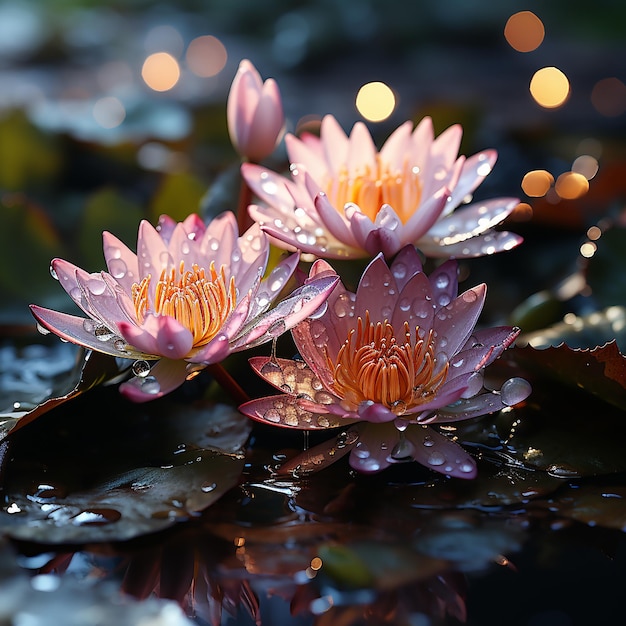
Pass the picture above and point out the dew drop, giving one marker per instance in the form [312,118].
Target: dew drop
[141,368]
[208,487]
[323,421]
[272,415]
[404,304]
[120,345]
[117,268]
[185,247]
[442,281]
[96,286]
[470,296]
[403,449]
[149,385]
[277,328]
[361,451]
[428,442]
[466,467]
[103,333]
[514,390]
[89,325]
[436,458]
[53,273]
[96,517]
[42,330]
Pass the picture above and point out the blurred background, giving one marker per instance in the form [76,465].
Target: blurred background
[115,111]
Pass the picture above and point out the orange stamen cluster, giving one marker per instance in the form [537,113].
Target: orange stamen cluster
[200,303]
[374,365]
[401,189]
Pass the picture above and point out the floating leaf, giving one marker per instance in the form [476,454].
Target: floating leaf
[91,369]
[585,331]
[601,371]
[70,479]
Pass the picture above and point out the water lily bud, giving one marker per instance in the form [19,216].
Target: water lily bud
[254,112]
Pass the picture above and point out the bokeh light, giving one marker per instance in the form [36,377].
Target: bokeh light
[536,183]
[206,56]
[586,165]
[549,87]
[109,112]
[608,97]
[588,249]
[524,31]
[375,101]
[571,185]
[160,71]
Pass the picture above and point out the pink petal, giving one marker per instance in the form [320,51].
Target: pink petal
[440,454]
[475,169]
[472,220]
[444,282]
[422,140]
[152,254]
[336,224]
[456,321]
[423,219]
[477,246]
[397,146]
[382,240]
[164,377]
[286,410]
[335,143]
[414,304]
[362,153]
[306,156]
[377,413]
[302,303]
[267,123]
[82,331]
[377,292]
[173,340]
[121,261]
[405,265]
[141,337]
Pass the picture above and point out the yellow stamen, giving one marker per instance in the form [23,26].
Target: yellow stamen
[401,189]
[200,303]
[374,365]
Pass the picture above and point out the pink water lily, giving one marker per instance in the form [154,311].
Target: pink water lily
[190,296]
[395,358]
[254,113]
[346,199]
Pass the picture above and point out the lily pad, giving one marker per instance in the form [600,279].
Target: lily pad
[70,478]
[90,369]
[601,371]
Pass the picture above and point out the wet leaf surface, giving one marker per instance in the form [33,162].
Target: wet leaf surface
[139,471]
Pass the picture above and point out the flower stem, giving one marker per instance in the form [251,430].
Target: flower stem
[245,198]
[223,378]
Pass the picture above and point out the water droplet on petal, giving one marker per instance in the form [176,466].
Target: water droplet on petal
[141,368]
[514,390]
[149,385]
[403,449]
[442,281]
[208,487]
[361,450]
[89,325]
[470,296]
[103,333]
[436,458]
[42,330]
[428,442]
[466,466]
[96,286]
[272,415]
[53,273]
[117,268]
